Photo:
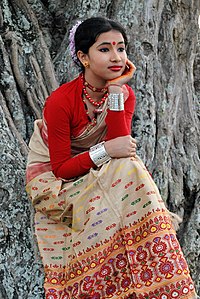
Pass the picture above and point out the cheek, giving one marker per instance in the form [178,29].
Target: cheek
[125,56]
[123,69]
[99,63]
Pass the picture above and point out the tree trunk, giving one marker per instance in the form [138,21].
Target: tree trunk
[35,59]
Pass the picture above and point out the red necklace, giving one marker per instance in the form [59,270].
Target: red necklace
[88,97]
[91,87]
[96,104]
[95,89]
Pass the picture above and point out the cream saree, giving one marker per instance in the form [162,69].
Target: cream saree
[106,234]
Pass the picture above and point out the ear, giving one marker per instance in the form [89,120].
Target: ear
[82,57]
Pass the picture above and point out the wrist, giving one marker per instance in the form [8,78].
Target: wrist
[98,154]
[114,88]
[116,101]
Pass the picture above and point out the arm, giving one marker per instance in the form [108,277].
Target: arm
[119,141]
[119,123]
[58,119]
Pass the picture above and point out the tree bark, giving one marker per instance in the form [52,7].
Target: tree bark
[35,60]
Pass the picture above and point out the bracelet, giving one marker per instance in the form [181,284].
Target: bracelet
[98,154]
[116,101]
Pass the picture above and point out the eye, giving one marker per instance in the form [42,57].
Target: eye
[121,49]
[104,50]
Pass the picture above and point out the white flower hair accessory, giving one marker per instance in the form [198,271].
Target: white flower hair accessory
[72,43]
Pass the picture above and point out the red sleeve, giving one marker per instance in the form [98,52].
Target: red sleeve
[119,122]
[58,118]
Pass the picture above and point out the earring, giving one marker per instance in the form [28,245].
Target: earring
[86,64]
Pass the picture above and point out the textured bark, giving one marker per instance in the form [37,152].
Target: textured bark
[34,60]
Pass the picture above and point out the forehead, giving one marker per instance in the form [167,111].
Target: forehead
[110,36]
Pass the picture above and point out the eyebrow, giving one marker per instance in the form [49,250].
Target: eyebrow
[107,43]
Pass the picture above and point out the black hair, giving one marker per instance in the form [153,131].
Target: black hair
[88,31]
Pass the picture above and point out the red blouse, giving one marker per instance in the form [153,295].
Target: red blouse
[65,116]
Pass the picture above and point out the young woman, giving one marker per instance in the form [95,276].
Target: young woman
[102,228]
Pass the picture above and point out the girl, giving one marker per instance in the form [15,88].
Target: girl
[102,228]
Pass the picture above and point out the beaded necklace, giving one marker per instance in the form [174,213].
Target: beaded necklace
[95,89]
[88,97]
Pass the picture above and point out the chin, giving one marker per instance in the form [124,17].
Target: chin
[115,75]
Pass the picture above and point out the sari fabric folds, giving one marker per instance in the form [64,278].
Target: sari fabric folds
[106,234]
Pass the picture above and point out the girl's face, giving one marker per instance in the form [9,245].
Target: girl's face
[106,57]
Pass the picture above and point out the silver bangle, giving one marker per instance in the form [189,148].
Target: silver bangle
[116,101]
[98,154]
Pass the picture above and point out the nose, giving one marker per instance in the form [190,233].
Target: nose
[115,56]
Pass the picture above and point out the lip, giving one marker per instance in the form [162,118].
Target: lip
[115,68]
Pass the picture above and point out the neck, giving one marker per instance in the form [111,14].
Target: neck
[95,91]
[96,82]
[99,97]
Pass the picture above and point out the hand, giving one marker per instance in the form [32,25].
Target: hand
[125,77]
[121,147]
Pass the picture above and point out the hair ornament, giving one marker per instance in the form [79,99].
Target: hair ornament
[72,42]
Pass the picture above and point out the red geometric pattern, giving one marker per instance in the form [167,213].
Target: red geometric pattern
[136,263]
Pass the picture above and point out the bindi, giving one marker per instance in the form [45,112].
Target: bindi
[113,43]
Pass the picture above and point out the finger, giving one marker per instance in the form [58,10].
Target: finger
[134,142]
[130,65]
[132,155]
[128,73]
[133,139]
[131,68]
[132,151]
[133,147]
